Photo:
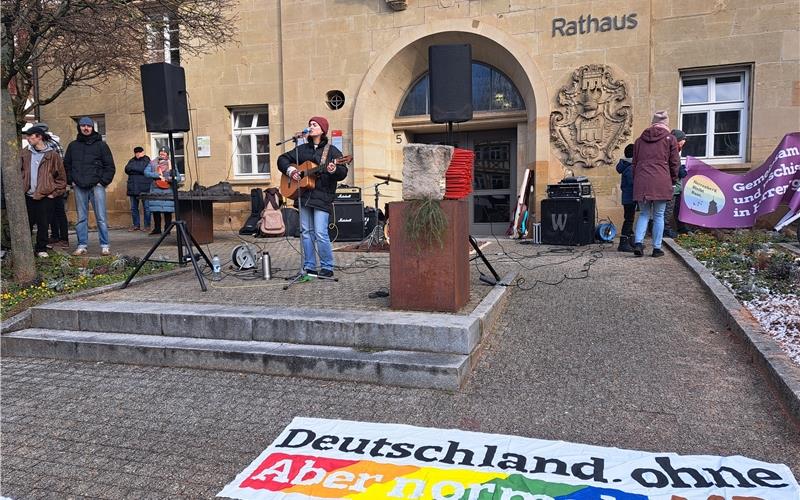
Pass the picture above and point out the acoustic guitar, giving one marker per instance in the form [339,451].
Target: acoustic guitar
[162,167]
[290,188]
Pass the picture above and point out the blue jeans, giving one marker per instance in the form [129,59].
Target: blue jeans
[97,196]
[135,212]
[656,208]
[314,230]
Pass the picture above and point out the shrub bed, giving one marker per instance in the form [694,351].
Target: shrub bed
[761,274]
[62,274]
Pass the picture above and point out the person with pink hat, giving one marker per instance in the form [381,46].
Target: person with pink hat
[655,172]
[316,205]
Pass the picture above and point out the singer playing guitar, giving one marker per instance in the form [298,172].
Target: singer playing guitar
[316,204]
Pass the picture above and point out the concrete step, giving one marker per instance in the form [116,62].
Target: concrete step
[389,367]
[382,330]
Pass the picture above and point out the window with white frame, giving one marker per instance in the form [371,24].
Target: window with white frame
[163,40]
[714,112]
[99,123]
[158,141]
[251,142]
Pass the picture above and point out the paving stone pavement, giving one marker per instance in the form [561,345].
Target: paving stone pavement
[631,356]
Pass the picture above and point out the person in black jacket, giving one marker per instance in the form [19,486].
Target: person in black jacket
[90,169]
[138,184]
[316,204]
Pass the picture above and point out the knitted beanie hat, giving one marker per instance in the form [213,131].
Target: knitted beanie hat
[680,135]
[323,123]
[660,117]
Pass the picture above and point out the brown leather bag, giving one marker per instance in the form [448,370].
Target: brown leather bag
[271,223]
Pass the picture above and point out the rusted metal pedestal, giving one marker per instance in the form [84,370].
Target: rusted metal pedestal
[435,278]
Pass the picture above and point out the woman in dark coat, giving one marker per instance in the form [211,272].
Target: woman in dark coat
[655,171]
[316,204]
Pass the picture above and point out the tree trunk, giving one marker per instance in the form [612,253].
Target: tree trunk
[21,246]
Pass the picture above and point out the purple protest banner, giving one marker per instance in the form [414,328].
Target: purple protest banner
[715,199]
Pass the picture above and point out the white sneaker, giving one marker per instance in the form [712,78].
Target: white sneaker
[80,251]
[105,251]
[42,254]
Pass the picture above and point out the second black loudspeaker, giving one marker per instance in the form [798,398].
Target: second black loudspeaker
[164,95]
[450,82]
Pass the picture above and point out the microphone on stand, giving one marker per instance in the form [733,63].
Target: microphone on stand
[298,135]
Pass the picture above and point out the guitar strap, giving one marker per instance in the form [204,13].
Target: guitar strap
[324,158]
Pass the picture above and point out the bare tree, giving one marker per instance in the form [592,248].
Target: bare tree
[49,46]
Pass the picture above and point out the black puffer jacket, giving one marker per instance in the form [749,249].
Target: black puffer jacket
[137,182]
[322,196]
[88,161]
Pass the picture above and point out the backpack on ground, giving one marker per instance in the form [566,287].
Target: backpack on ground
[256,207]
[291,219]
[271,223]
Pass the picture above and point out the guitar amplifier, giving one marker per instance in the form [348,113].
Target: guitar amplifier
[568,221]
[570,190]
[347,193]
[347,221]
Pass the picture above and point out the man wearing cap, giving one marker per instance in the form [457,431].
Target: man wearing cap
[316,204]
[138,184]
[44,180]
[59,225]
[674,207]
[90,169]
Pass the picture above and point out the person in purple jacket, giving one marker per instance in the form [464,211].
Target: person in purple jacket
[655,171]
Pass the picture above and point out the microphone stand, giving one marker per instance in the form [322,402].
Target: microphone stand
[301,274]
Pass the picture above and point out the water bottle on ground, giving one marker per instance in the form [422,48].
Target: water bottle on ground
[215,267]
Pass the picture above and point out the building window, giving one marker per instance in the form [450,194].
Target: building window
[99,123]
[158,141]
[163,40]
[335,99]
[251,142]
[714,111]
[492,90]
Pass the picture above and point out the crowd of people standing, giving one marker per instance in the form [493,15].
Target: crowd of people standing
[86,168]
[651,174]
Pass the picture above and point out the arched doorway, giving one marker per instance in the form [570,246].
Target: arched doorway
[495,97]
[379,134]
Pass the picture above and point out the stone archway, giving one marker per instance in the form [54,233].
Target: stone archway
[376,145]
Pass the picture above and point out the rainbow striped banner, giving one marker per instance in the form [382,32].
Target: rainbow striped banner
[324,459]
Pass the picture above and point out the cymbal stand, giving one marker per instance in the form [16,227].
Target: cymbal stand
[376,237]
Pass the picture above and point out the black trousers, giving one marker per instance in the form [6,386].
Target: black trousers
[629,213]
[157,220]
[39,215]
[59,227]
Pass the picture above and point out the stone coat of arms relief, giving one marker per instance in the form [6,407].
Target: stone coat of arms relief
[593,117]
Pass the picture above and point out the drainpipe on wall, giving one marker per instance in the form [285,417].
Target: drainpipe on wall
[280,66]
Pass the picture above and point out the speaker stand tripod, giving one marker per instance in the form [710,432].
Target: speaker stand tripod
[484,278]
[185,239]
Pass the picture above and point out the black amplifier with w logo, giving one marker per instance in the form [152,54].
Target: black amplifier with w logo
[568,221]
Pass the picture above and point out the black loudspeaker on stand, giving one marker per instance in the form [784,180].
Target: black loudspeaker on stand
[164,95]
[568,221]
[165,110]
[450,83]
